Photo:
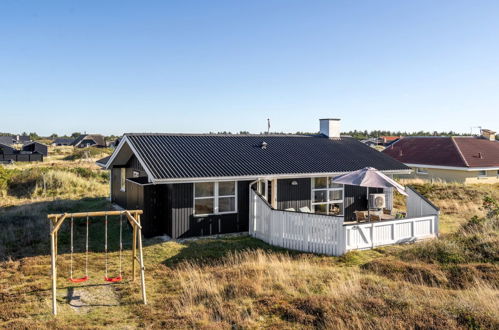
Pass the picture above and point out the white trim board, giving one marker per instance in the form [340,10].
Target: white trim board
[456,168]
[265,177]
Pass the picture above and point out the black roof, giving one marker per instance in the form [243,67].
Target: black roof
[176,156]
[103,161]
[97,138]
[63,140]
[7,140]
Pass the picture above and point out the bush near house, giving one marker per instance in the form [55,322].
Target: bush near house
[91,152]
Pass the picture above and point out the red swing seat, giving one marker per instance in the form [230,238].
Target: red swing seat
[113,279]
[79,280]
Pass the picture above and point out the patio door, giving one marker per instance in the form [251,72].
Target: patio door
[267,188]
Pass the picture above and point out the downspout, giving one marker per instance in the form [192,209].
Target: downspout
[253,204]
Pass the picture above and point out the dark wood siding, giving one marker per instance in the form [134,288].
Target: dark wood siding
[356,200]
[135,165]
[117,196]
[289,196]
[183,223]
[36,147]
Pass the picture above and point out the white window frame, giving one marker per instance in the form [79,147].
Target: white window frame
[480,175]
[328,189]
[216,198]
[123,179]
[421,170]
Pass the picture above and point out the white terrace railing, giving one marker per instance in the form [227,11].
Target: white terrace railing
[421,223]
[325,234]
[296,230]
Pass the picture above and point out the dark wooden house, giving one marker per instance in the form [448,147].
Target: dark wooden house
[199,184]
[90,140]
[36,147]
[63,142]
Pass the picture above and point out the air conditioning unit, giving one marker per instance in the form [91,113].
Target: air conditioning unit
[377,201]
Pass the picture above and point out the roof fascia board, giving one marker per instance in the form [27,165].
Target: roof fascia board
[134,151]
[265,176]
[468,169]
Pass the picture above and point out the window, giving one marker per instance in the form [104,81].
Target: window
[215,197]
[327,197]
[135,174]
[420,170]
[482,174]
[122,179]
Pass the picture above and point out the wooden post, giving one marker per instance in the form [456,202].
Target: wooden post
[54,274]
[274,194]
[134,251]
[141,256]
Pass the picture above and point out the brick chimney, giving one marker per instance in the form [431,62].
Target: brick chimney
[488,134]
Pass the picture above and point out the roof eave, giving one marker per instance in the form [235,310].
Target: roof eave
[264,176]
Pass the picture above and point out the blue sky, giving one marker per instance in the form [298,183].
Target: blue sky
[198,66]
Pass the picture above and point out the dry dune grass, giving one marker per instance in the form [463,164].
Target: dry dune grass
[240,282]
[256,288]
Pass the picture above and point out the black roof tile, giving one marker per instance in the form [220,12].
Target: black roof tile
[174,156]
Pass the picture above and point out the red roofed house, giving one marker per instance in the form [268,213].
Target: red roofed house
[467,159]
[387,140]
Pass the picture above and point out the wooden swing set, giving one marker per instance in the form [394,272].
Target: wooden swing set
[133,217]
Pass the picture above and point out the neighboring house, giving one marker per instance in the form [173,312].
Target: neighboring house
[22,139]
[14,139]
[388,140]
[36,147]
[452,159]
[10,154]
[90,140]
[63,142]
[6,149]
[7,140]
[372,142]
[113,144]
[205,184]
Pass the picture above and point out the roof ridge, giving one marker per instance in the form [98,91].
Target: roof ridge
[459,151]
[225,135]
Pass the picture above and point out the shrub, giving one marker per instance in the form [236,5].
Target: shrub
[91,152]
[475,241]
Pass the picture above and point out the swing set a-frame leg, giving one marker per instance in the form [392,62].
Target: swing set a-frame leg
[141,257]
[134,251]
[54,274]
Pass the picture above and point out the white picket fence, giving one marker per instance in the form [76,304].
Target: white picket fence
[296,230]
[369,235]
[328,235]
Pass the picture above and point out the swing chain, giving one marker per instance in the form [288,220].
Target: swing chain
[121,238]
[105,241]
[86,250]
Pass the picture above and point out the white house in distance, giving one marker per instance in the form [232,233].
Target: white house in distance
[464,159]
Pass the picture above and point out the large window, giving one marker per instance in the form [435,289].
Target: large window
[215,197]
[327,197]
[123,179]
